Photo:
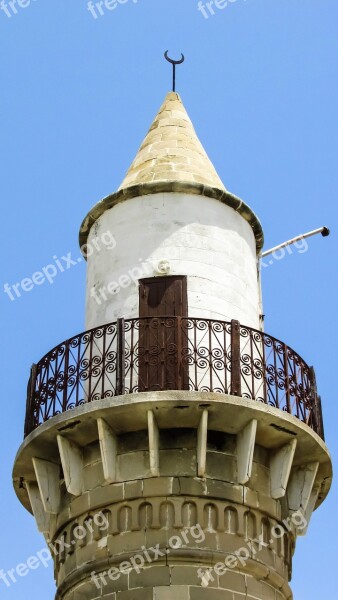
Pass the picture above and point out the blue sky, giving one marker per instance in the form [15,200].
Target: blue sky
[77,97]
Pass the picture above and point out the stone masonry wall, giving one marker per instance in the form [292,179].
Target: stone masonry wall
[194,523]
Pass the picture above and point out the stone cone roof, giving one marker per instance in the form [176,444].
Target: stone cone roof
[172,160]
[171,151]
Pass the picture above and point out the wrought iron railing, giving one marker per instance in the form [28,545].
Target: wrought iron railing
[165,353]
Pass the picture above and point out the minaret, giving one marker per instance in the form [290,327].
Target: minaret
[173,451]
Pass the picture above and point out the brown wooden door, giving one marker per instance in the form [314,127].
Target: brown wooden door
[163,300]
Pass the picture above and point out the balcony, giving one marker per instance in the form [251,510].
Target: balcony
[172,353]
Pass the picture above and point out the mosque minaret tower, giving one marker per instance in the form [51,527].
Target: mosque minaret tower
[174,450]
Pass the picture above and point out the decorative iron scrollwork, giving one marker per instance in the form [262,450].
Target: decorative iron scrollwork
[155,354]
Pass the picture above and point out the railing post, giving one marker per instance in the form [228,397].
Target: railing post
[120,367]
[287,380]
[236,387]
[179,372]
[313,400]
[316,405]
[320,418]
[29,404]
[65,383]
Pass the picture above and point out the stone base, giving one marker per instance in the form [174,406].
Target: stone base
[163,497]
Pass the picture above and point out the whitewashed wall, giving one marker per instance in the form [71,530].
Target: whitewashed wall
[183,234]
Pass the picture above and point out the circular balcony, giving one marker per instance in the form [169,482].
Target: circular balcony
[172,353]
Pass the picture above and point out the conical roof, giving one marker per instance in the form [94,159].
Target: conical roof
[171,151]
[171,159]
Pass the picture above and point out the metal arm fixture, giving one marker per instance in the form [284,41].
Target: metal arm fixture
[323,230]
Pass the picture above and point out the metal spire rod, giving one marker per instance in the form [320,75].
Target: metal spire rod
[174,63]
[323,230]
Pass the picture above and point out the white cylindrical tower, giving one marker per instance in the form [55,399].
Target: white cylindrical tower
[173,451]
[172,216]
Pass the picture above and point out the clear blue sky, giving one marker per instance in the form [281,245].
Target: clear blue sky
[77,96]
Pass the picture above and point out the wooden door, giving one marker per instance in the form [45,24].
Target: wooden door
[163,300]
